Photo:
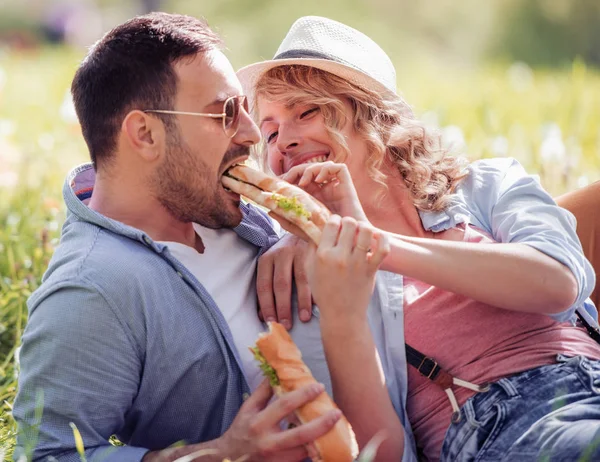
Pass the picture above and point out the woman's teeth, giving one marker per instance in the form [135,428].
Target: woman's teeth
[314,160]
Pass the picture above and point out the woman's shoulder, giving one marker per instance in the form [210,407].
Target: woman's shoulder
[493,173]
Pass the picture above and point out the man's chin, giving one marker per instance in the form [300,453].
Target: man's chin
[237,219]
[229,216]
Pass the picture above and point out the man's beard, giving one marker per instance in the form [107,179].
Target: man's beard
[191,192]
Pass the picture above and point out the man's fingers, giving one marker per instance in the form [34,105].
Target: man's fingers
[302,289]
[292,455]
[260,397]
[276,411]
[264,288]
[305,433]
[282,288]
[310,256]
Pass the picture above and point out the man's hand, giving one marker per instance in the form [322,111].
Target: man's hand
[256,433]
[277,269]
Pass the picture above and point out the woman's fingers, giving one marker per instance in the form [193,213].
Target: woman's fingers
[363,240]
[320,173]
[328,172]
[293,175]
[329,237]
[348,233]
[381,249]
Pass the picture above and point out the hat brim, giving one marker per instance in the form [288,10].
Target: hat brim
[251,74]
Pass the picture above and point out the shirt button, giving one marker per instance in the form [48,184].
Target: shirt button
[179,274]
[147,240]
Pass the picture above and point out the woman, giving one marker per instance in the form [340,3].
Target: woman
[491,268]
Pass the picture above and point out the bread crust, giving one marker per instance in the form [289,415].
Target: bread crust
[282,354]
[262,189]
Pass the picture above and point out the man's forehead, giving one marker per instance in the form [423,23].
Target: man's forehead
[207,77]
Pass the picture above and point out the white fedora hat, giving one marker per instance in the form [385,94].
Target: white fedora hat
[333,47]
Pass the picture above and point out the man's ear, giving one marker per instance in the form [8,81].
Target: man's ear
[144,134]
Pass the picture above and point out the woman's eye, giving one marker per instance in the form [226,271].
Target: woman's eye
[309,112]
[271,137]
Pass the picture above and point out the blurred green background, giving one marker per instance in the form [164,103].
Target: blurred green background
[499,78]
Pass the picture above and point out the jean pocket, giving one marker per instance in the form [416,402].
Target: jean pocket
[473,439]
[491,425]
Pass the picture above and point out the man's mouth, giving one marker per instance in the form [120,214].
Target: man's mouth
[226,173]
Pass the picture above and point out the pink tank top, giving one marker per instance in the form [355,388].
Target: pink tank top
[475,342]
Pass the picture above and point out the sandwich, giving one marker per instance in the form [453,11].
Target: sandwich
[281,362]
[283,199]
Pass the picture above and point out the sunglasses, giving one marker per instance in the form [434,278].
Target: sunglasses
[232,108]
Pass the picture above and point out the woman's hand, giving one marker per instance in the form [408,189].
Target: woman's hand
[341,273]
[341,270]
[331,184]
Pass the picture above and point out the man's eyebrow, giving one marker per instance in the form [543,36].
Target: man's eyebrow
[219,100]
[222,98]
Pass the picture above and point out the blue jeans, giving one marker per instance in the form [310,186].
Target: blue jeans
[550,413]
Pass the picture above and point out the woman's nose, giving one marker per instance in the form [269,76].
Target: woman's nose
[287,141]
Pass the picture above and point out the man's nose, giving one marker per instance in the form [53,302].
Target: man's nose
[248,133]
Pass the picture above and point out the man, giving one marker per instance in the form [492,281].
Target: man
[142,323]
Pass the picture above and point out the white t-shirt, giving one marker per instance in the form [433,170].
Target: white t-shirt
[227,270]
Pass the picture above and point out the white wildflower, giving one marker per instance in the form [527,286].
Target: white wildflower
[453,138]
[553,147]
[499,146]
[520,76]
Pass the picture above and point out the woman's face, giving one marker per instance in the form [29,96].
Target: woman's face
[297,135]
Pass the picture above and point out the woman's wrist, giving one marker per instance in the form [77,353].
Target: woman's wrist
[343,324]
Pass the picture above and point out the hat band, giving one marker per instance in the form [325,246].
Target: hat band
[299,53]
[308,54]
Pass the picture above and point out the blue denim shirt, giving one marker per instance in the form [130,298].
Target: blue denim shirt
[499,197]
[122,339]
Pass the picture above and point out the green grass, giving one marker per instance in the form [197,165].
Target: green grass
[497,110]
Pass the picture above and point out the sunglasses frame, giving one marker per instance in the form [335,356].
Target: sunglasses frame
[239,104]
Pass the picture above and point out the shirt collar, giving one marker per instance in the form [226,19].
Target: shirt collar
[255,227]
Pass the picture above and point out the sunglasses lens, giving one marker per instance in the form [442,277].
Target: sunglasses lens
[232,115]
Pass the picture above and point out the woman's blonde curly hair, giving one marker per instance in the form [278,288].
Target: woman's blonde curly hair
[385,121]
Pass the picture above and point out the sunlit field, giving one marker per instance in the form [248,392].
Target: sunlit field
[548,120]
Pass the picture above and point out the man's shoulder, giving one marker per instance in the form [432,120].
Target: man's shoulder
[115,266]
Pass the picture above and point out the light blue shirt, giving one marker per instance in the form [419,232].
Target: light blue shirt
[122,339]
[500,198]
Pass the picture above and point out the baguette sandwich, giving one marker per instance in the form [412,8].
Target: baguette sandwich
[281,362]
[283,199]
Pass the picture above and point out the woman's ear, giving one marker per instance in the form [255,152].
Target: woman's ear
[144,134]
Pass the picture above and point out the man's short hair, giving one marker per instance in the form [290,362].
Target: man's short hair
[131,67]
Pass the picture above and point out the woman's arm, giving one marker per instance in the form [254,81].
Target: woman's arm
[511,205]
[510,276]
[341,274]
[359,384]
